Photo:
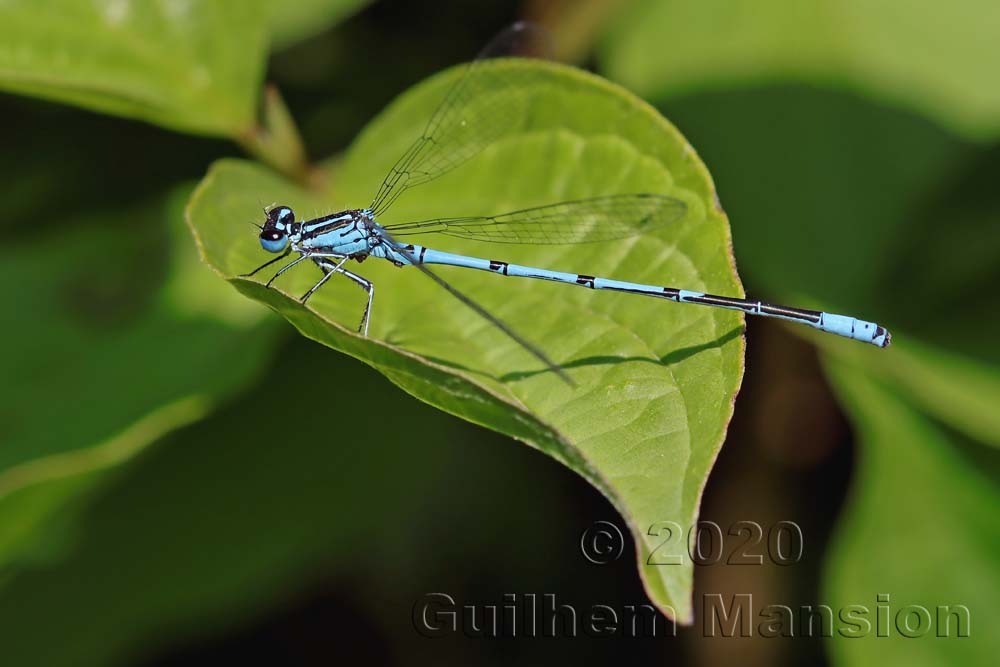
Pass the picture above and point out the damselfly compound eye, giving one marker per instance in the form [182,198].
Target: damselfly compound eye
[273,240]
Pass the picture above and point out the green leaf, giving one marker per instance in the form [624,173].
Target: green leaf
[940,59]
[126,340]
[960,390]
[919,528]
[656,381]
[294,21]
[949,363]
[228,515]
[190,66]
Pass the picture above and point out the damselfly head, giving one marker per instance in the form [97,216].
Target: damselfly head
[277,229]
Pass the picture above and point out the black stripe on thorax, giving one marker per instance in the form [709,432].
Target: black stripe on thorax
[320,226]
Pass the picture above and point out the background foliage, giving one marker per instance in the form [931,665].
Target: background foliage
[156,505]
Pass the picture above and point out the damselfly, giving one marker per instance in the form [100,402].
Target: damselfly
[484,104]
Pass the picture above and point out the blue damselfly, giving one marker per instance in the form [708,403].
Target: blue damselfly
[460,128]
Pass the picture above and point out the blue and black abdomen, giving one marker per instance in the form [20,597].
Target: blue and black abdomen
[842,325]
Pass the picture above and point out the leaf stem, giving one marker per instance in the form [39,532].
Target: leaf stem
[276,141]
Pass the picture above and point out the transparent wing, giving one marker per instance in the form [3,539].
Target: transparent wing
[583,221]
[532,349]
[488,101]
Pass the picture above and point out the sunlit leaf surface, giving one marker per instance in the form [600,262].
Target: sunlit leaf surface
[655,380]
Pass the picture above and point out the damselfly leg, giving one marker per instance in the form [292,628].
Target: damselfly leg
[368,287]
[329,268]
[292,263]
[267,264]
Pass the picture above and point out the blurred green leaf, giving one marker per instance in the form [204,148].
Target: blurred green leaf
[939,58]
[229,515]
[294,21]
[952,387]
[656,381]
[949,255]
[190,66]
[919,527]
[126,336]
